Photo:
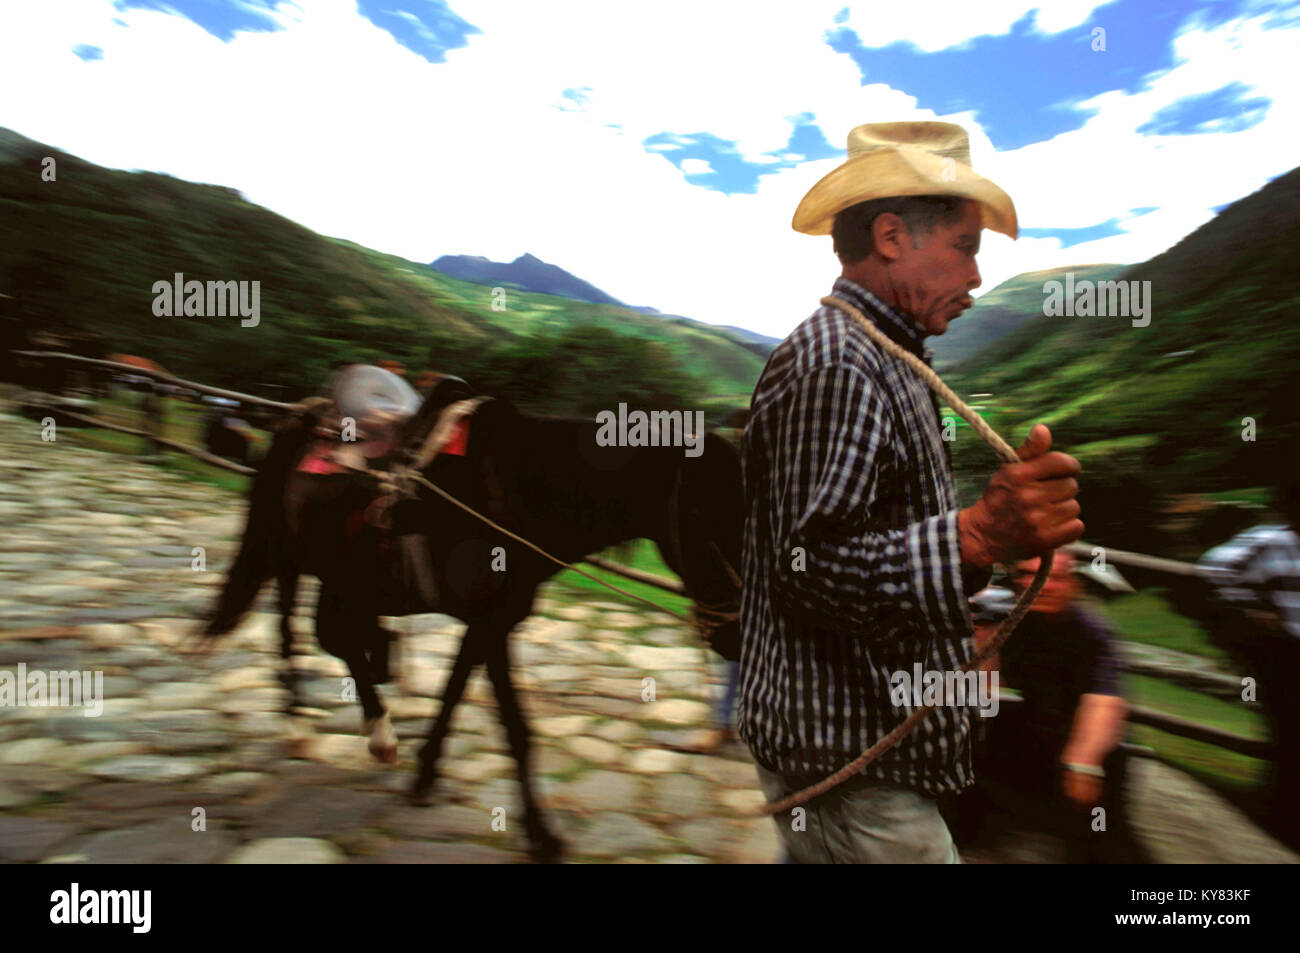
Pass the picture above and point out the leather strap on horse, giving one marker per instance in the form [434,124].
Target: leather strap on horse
[440,433]
[1003,449]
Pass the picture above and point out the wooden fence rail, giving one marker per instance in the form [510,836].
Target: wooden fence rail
[162,376]
[161,441]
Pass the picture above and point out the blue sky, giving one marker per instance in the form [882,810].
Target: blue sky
[658,149]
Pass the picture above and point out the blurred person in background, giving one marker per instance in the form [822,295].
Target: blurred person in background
[1052,758]
[227,435]
[714,738]
[1254,613]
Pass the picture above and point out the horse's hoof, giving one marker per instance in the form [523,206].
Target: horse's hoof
[546,849]
[383,739]
[422,791]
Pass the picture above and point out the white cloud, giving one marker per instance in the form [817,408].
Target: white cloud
[334,124]
[940,25]
[696,166]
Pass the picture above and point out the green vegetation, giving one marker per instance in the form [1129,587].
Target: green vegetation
[79,258]
[1009,306]
[1158,411]
[1205,710]
[1146,617]
[641,554]
[1237,776]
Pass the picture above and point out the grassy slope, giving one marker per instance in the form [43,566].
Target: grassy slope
[1224,293]
[1005,309]
[84,251]
[1158,410]
[712,354]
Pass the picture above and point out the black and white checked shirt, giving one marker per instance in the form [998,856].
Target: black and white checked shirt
[844,463]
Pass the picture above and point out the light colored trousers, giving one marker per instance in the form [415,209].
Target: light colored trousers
[873,823]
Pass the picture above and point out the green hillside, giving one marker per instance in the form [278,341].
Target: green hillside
[715,355]
[79,257]
[1004,309]
[1158,410]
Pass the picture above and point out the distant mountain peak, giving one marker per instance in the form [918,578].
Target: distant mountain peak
[533,274]
[527,271]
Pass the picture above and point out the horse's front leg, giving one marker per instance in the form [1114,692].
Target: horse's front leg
[286,582]
[466,660]
[545,847]
[344,632]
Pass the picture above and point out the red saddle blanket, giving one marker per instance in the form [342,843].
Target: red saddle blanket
[319,458]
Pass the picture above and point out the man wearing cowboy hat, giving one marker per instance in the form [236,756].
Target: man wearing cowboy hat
[858,561]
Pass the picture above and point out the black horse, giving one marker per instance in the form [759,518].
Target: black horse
[546,480]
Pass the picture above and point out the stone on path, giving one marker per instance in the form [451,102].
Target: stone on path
[682,795]
[619,836]
[148,767]
[236,783]
[601,791]
[288,850]
[593,749]
[171,841]
[573,613]
[704,835]
[615,731]
[319,812]
[652,658]
[549,759]
[562,726]
[436,822]
[31,751]
[678,711]
[477,767]
[656,761]
[622,620]
[424,852]
[725,772]
[742,801]
[26,839]
[759,843]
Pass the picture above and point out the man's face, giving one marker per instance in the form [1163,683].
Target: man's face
[1061,588]
[933,282]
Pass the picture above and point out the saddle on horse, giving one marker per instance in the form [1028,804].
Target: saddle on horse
[370,422]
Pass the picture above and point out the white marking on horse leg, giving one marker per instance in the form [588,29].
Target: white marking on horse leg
[383,739]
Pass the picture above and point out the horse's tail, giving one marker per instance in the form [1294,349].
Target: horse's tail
[265,526]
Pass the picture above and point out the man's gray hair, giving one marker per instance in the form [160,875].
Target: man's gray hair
[851,231]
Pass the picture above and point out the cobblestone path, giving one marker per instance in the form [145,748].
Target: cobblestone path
[96,573]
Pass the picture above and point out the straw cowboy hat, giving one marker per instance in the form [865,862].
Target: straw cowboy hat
[888,159]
